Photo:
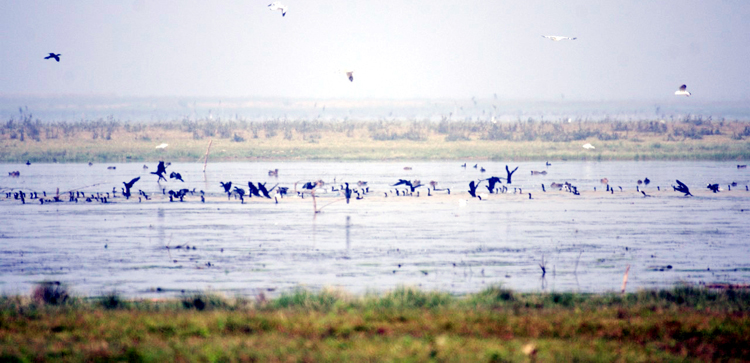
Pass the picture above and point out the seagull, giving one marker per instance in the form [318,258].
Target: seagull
[277,6]
[588,146]
[557,38]
[53,55]
[682,91]
[162,146]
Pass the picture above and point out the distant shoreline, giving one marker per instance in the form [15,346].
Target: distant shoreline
[114,141]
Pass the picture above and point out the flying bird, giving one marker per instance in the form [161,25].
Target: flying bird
[409,184]
[588,146]
[160,171]
[349,74]
[557,38]
[682,91]
[277,6]
[682,188]
[129,184]
[53,55]
[177,176]
[162,146]
[227,186]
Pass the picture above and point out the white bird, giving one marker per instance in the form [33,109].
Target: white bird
[162,146]
[557,38]
[277,6]
[588,146]
[682,91]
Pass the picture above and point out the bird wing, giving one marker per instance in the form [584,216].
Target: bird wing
[134,180]
[681,184]
[401,181]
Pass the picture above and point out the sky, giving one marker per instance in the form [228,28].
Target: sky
[625,50]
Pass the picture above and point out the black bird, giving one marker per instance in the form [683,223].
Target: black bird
[126,193]
[227,186]
[160,171]
[473,188]
[482,170]
[646,181]
[177,176]
[464,165]
[492,181]
[129,184]
[253,190]
[548,164]
[263,190]
[53,55]
[347,193]
[714,187]
[543,188]
[28,162]
[682,188]
[407,183]
[530,196]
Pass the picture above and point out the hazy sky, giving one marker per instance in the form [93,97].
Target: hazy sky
[399,49]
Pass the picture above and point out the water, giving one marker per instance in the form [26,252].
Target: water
[443,242]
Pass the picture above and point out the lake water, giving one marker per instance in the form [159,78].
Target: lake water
[443,242]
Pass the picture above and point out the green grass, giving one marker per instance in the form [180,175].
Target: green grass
[496,324]
[114,141]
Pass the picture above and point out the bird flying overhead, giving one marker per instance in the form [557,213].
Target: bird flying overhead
[277,6]
[53,55]
[557,38]
[682,91]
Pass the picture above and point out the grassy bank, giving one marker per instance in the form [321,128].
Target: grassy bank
[406,324]
[114,141]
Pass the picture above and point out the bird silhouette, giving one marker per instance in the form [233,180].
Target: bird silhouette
[347,193]
[714,187]
[407,183]
[253,190]
[53,56]
[682,188]
[227,186]
[473,188]
[492,181]
[160,171]
[129,184]
[263,190]
[177,176]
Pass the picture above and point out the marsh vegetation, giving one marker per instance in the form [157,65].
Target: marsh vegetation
[690,138]
[495,324]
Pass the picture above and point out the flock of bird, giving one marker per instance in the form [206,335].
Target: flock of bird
[401,188]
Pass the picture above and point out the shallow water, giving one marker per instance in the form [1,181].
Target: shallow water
[378,243]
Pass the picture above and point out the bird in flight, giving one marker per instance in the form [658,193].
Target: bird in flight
[682,91]
[277,6]
[177,176]
[588,146]
[161,169]
[53,55]
[557,38]
[162,146]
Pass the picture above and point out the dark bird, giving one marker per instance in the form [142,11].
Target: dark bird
[274,172]
[682,188]
[253,190]
[464,165]
[227,186]
[53,55]
[129,184]
[408,183]
[473,188]
[530,196]
[161,170]
[548,164]
[714,187]
[492,181]
[347,193]
[482,170]
[28,162]
[177,176]
[263,190]
[646,181]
